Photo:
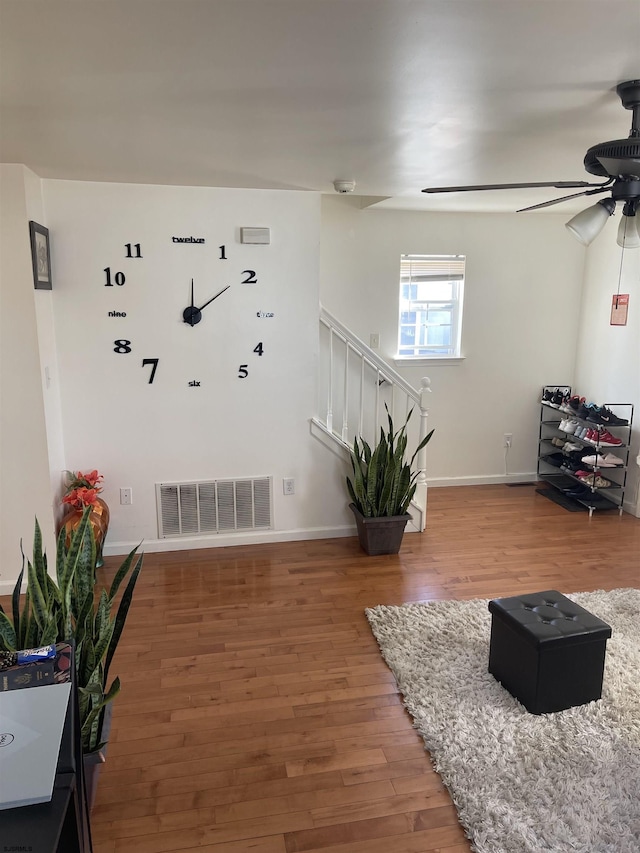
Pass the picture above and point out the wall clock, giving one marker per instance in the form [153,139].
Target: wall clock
[213,320]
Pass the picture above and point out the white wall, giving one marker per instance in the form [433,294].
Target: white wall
[521,308]
[139,434]
[24,483]
[608,357]
[525,320]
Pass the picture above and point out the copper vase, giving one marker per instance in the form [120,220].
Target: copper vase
[99,521]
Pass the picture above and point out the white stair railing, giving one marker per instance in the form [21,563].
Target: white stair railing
[355,385]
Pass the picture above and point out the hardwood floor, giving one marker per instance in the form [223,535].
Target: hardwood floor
[256,713]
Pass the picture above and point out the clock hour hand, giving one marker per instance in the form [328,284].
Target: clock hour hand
[191,314]
[202,307]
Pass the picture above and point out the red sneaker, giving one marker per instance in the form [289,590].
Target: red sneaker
[607,439]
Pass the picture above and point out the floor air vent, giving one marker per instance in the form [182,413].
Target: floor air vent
[215,506]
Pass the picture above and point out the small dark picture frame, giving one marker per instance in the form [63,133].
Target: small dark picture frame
[40,256]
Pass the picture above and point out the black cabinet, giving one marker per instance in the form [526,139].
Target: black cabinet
[62,824]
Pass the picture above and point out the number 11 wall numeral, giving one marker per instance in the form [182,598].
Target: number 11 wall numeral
[133,250]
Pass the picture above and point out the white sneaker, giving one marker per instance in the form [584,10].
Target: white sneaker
[612,461]
[599,461]
[596,461]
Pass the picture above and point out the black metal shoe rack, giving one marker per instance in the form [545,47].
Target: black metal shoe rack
[556,471]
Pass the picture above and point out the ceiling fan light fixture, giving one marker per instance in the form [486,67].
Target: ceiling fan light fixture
[586,225]
[628,234]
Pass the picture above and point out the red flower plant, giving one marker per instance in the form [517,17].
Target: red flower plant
[82,489]
[81,497]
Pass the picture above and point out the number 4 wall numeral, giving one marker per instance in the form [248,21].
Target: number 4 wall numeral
[243,369]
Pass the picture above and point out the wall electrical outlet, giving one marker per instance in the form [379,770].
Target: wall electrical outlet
[126,496]
[288,486]
[374,340]
[508,439]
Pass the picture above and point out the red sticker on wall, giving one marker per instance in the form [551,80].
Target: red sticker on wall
[619,309]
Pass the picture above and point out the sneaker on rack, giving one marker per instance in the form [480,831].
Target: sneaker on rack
[591,436]
[557,398]
[547,396]
[611,461]
[608,440]
[580,433]
[575,402]
[570,446]
[596,460]
[564,405]
[600,482]
[580,492]
[585,411]
[610,419]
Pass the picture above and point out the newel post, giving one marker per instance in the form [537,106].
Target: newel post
[420,496]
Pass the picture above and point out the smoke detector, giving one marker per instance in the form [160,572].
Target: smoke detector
[344,186]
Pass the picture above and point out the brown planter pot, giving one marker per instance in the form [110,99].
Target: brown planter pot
[380,535]
[99,521]
[93,761]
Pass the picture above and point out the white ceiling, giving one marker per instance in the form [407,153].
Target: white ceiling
[292,94]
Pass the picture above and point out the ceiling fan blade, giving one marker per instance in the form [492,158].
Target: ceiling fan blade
[560,185]
[625,167]
[563,198]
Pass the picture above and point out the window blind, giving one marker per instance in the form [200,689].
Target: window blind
[431,268]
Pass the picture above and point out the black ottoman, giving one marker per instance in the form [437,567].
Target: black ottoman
[547,651]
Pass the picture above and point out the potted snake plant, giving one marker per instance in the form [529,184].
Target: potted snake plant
[70,609]
[382,487]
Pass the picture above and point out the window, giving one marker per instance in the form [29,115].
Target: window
[431,289]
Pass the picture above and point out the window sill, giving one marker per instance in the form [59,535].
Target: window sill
[405,361]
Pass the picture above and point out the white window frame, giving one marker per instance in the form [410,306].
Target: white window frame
[416,268]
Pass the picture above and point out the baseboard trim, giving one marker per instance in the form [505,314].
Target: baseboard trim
[227,540]
[483,480]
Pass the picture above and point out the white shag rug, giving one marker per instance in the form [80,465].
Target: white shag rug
[564,783]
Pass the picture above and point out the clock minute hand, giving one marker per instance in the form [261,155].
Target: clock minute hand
[214,297]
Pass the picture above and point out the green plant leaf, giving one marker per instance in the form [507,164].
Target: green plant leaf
[15,598]
[121,615]
[121,574]
[38,600]
[8,639]
[39,563]
[92,717]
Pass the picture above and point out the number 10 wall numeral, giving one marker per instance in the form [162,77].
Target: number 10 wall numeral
[118,278]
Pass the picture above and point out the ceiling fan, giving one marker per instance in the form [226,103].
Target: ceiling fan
[618,161]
